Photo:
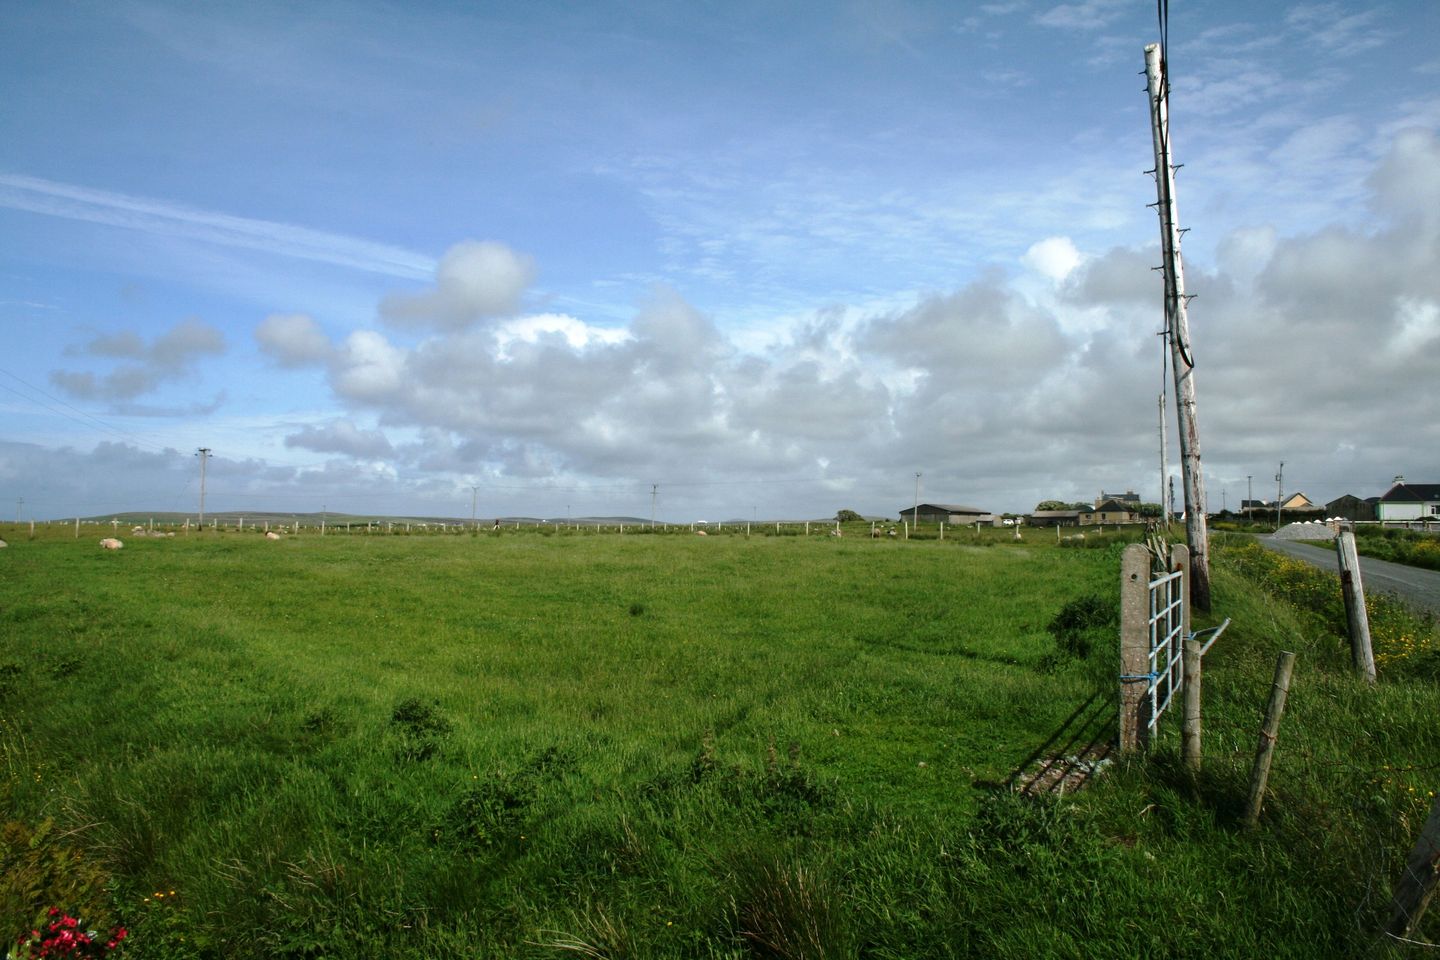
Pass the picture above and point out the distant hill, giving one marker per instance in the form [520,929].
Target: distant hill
[231,517]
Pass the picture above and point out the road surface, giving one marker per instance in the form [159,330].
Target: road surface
[1415,585]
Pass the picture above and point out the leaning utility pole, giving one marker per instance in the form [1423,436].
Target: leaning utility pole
[203,454]
[1178,328]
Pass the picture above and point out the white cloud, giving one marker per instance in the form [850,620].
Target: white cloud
[1054,258]
[369,369]
[171,356]
[475,280]
[342,436]
[293,339]
[576,333]
[1086,15]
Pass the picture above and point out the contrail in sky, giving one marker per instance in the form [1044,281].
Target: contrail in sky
[176,220]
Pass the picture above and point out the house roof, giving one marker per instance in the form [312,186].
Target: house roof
[1053,514]
[1412,493]
[1111,506]
[946,507]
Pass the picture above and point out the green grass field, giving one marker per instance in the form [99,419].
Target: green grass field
[550,744]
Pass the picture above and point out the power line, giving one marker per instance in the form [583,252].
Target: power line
[93,421]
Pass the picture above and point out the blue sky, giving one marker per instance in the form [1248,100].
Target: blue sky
[776,258]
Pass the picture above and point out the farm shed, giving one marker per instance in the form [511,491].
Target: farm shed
[1053,518]
[1409,501]
[1351,507]
[946,513]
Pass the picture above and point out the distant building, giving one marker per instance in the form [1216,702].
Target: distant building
[1111,511]
[1298,501]
[1129,498]
[946,513]
[1350,507]
[1053,518]
[1409,501]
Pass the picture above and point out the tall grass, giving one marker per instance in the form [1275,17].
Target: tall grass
[651,747]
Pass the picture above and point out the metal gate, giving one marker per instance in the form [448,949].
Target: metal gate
[1154,628]
[1165,627]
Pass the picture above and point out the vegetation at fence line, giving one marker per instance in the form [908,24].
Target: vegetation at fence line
[613,746]
[1411,547]
[1404,640]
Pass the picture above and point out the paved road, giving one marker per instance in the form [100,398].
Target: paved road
[1413,584]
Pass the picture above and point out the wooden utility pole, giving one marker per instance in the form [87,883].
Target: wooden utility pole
[1178,327]
[915,520]
[1279,493]
[204,454]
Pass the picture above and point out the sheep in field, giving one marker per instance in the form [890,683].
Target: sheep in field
[110,543]
[271,535]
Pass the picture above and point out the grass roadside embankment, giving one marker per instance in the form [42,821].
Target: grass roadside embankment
[469,746]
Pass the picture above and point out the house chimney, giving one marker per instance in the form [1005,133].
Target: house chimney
[1399,479]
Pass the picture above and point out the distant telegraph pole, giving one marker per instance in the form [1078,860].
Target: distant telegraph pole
[18,504]
[654,490]
[1279,492]
[474,493]
[1178,327]
[915,520]
[204,454]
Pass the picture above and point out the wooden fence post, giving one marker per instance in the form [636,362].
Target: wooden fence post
[1356,617]
[1134,642]
[1417,885]
[1190,748]
[1260,773]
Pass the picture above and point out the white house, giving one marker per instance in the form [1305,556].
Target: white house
[1409,501]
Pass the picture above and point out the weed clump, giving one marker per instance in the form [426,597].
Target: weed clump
[422,728]
[493,812]
[1083,621]
[790,910]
